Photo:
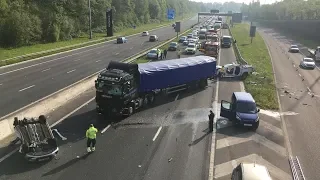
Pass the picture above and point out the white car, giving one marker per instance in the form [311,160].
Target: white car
[294,49]
[250,171]
[191,48]
[145,33]
[308,63]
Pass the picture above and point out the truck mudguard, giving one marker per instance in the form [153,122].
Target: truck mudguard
[169,73]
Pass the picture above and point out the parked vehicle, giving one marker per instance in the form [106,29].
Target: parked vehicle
[191,48]
[242,110]
[154,54]
[182,38]
[122,89]
[226,41]
[210,48]
[250,171]
[173,46]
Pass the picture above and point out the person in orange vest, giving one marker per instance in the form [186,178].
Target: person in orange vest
[91,135]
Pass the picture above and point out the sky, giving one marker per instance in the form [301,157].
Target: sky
[238,1]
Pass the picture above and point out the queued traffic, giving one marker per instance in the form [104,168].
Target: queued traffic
[123,89]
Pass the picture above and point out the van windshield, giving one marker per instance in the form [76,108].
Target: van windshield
[246,107]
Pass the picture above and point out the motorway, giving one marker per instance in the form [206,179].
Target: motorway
[233,145]
[299,94]
[169,140]
[22,84]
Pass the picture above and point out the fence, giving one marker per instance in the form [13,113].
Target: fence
[239,58]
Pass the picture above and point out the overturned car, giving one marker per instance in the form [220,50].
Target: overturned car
[37,140]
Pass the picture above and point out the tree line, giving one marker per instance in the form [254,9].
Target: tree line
[27,22]
[283,10]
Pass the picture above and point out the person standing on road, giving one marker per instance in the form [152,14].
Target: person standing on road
[179,53]
[211,118]
[165,54]
[91,135]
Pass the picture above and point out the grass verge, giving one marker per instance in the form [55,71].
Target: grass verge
[261,85]
[144,59]
[35,51]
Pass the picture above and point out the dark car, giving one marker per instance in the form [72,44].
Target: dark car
[173,46]
[226,41]
[182,38]
[121,40]
[153,38]
[241,110]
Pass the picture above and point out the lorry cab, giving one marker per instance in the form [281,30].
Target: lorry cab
[241,110]
[210,48]
[114,88]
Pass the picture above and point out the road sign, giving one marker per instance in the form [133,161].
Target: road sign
[170,14]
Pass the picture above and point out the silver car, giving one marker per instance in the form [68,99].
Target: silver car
[308,63]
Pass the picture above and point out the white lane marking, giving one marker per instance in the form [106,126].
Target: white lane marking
[46,70]
[98,60]
[72,112]
[250,136]
[213,136]
[70,71]
[63,118]
[105,129]
[96,44]
[8,155]
[0,84]
[76,60]
[156,135]
[50,61]
[60,135]
[117,54]
[283,122]
[26,88]
[176,97]
[226,168]
[309,89]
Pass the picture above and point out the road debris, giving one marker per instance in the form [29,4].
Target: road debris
[170,159]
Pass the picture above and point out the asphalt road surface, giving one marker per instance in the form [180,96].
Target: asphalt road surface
[234,145]
[169,140]
[25,83]
[299,95]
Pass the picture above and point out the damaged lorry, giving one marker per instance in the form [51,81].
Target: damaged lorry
[122,89]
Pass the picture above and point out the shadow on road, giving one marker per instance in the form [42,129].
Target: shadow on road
[66,165]
[200,138]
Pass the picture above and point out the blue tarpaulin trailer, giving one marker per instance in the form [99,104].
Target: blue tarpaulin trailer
[169,73]
[124,88]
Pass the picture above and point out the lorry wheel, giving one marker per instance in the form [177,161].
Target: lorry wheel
[203,83]
[244,76]
[145,101]
[151,98]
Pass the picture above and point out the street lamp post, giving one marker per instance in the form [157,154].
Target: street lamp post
[90,31]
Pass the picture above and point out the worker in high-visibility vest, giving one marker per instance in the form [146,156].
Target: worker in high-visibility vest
[91,135]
